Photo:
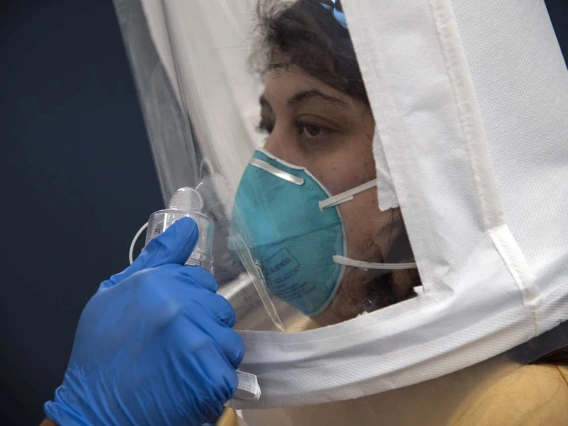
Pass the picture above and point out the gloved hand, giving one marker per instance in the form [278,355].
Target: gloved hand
[154,345]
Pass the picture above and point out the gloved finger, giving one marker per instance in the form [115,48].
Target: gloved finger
[199,277]
[229,341]
[231,345]
[225,377]
[221,308]
[175,245]
[218,383]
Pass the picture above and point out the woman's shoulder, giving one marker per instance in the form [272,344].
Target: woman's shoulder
[531,395]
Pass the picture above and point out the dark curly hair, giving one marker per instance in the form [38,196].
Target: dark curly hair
[306,34]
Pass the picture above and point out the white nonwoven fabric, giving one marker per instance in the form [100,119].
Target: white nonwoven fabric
[452,127]
[470,100]
[521,82]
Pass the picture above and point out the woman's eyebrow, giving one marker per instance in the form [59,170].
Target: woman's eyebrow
[310,94]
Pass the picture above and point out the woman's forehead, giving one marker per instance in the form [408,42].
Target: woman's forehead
[281,84]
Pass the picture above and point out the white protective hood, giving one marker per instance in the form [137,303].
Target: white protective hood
[470,99]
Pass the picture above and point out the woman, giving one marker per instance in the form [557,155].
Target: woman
[177,366]
[306,50]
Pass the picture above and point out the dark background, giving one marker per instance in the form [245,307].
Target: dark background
[77,182]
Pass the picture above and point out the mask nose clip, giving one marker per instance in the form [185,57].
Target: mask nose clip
[269,168]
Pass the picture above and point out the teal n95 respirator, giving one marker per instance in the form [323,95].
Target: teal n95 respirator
[292,226]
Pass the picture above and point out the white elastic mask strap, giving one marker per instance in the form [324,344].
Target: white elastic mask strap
[346,196]
[342,260]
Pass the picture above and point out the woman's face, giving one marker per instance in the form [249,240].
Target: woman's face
[313,125]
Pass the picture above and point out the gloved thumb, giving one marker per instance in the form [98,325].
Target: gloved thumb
[175,245]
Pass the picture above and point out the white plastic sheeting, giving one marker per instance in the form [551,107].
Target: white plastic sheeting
[470,101]
[453,102]
[220,93]
[190,59]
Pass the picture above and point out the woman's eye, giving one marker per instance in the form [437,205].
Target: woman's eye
[312,130]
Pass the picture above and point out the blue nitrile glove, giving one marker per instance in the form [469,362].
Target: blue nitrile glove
[154,345]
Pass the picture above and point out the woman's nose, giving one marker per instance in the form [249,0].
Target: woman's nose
[274,143]
[283,146]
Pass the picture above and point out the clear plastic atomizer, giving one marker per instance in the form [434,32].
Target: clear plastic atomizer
[186,202]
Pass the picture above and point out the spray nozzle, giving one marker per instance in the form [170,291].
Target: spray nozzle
[187,199]
[186,202]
